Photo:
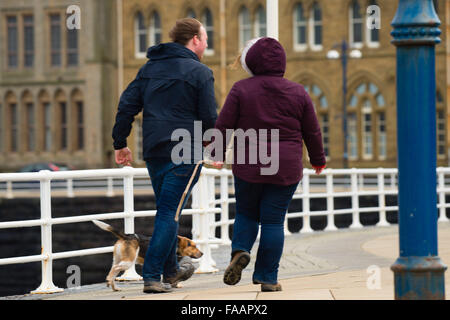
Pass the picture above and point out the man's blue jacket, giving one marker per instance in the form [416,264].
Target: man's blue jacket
[173,89]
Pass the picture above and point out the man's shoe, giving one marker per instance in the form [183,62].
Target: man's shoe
[156,287]
[185,272]
[267,287]
[238,263]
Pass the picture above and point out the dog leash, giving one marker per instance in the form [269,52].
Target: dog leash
[189,185]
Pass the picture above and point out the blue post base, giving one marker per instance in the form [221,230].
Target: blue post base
[419,278]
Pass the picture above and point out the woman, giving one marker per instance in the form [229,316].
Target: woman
[268,101]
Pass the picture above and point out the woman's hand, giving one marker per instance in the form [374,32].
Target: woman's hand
[319,169]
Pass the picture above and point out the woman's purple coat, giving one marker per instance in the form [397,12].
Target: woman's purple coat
[269,101]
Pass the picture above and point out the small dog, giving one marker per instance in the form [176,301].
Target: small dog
[131,249]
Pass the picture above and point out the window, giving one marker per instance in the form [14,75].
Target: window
[140,36]
[138,139]
[13,61]
[352,128]
[28,37]
[299,28]
[316,27]
[80,125]
[47,126]
[373,35]
[55,40]
[14,121]
[440,126]
[155,29]
[319,99]
[356,25]
[72,47]
[260,23]
[245,27]
[382,151]
[63,142]
[30,127]
[1,128]
[367,119]
[367,144]
[207,21]
[191,14]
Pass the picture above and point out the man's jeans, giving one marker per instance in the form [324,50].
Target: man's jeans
[169,182]
[266,204]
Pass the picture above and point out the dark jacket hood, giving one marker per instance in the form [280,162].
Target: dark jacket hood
[170,50]
[266,56]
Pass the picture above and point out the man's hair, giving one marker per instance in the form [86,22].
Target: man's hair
[184,30]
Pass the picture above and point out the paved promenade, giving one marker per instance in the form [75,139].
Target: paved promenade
[318,266]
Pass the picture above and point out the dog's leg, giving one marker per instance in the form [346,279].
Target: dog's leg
[115,270]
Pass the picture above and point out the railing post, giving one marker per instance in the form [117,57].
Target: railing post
[110,190]
[330,202]
[9,192]
[306,228]
[224,206]
[47,285]
[70,193]
[206,261]
[381,201]
[211,198]
[356,224]
[128,206]
[441,191]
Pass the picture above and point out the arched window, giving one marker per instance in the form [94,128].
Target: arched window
[155,29]
[191,13]
[260,22]
[62,125]
[77,119]
[2,125]
[366,122]
[300,25]
[356,25]
[440,126]
[45,121]
[245,27]
[321,106]
[140,31]
[30,120]
[138,140]
[12,120]
[372,35]
[207,20]
[315,27]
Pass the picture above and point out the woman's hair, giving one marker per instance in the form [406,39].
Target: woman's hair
[184,30]
[236,62]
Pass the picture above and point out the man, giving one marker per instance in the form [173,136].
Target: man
[174,90]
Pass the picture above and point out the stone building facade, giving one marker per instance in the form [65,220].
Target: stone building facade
[56,84]
[309,29]
[111,47]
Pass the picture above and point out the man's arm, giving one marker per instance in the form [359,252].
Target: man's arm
[207,106]
[130,104]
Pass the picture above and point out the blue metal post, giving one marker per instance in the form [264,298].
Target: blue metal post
[418,272]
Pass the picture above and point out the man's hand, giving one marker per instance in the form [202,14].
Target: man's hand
[123,156]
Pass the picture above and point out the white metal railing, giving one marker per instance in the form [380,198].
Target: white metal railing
[211,197]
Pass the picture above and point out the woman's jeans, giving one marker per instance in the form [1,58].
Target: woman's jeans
[265,204]
[169,182]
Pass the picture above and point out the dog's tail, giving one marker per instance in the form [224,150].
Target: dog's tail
[107,227]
